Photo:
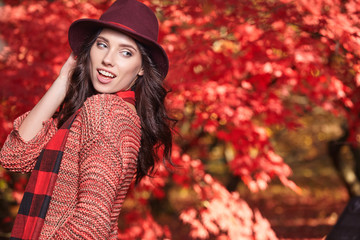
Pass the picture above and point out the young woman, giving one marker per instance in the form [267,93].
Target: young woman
[99,125]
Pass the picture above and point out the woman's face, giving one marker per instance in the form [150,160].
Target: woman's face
[115,62]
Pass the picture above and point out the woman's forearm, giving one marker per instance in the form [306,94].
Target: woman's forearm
[48,104]
[42,111]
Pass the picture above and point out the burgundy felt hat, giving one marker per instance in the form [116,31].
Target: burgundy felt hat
[130,17]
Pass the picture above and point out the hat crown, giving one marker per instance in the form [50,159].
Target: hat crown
[134,15]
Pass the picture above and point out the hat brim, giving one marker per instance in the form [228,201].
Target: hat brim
[82,29]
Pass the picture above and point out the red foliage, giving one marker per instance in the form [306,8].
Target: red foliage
[143,227]
[237,68]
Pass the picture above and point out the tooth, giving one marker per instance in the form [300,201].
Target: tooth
[107,74]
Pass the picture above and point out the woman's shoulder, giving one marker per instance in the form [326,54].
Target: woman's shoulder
[103,100]
[107,110]
[108,103]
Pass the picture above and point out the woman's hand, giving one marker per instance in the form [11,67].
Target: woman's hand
[66,70]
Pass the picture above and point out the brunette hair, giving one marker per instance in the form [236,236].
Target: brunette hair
[156,125]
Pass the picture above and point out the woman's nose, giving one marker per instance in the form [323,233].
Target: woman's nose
[108,59]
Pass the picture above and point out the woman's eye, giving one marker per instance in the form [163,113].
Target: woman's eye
[126,53]
[101,45]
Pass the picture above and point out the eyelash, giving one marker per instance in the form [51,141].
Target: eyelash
[103,45]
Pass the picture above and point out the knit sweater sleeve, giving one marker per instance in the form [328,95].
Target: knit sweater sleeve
[111,140]
[20,155]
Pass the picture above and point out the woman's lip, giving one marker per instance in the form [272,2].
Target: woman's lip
[102,78]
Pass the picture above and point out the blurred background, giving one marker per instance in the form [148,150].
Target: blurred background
[266,94]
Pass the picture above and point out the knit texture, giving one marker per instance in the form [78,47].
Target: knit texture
[98,165]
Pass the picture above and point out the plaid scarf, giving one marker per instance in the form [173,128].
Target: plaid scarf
[127,96]
[35,203]
[37,196]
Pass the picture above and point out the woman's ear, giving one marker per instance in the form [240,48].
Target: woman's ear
[141,72]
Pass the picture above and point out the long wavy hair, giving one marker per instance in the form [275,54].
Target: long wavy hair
[156,125]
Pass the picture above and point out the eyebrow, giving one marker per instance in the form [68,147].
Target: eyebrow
[121,44]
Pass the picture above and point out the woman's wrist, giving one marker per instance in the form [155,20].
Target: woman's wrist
[59,87]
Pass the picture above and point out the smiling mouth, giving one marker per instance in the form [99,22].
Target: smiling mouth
[106,74]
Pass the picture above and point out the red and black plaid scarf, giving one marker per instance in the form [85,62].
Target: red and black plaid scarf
[35,203]
[37,196]
[127,96]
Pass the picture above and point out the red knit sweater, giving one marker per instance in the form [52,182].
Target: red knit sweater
[97,167]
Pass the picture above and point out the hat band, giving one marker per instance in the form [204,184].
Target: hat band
[120,25]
